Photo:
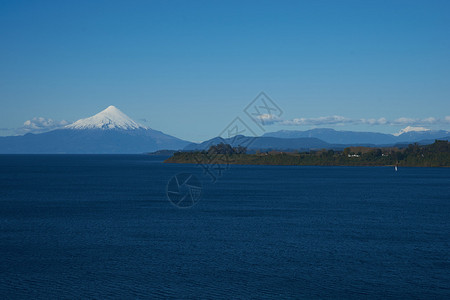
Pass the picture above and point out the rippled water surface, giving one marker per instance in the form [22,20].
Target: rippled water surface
[102,227]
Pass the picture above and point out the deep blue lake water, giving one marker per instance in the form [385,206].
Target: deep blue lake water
[98,226]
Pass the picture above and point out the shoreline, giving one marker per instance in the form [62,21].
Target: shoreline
[290,165]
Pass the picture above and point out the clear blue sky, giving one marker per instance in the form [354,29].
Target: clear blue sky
[190,67]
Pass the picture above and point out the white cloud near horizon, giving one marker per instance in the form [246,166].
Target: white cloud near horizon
[40,125]
[267,119]
[328,120]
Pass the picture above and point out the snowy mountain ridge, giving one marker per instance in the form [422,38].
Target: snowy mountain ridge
[108,119]
[411,129]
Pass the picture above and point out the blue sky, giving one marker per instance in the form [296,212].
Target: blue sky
[189,67]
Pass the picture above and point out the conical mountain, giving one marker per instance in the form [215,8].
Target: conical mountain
[108,132]
[110,118]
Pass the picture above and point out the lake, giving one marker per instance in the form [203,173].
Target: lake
[101,226]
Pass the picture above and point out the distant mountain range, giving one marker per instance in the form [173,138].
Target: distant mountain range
[113,132]
[108,132]
[263,143]
[325,138]
[332,136]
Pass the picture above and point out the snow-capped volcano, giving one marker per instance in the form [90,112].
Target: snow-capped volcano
[110,118]
[108,132]
[411,129]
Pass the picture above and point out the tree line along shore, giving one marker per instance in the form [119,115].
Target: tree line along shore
[433,155]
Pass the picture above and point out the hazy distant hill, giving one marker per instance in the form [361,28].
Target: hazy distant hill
[262,143]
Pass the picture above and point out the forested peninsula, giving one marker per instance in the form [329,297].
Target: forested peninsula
[433,155]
